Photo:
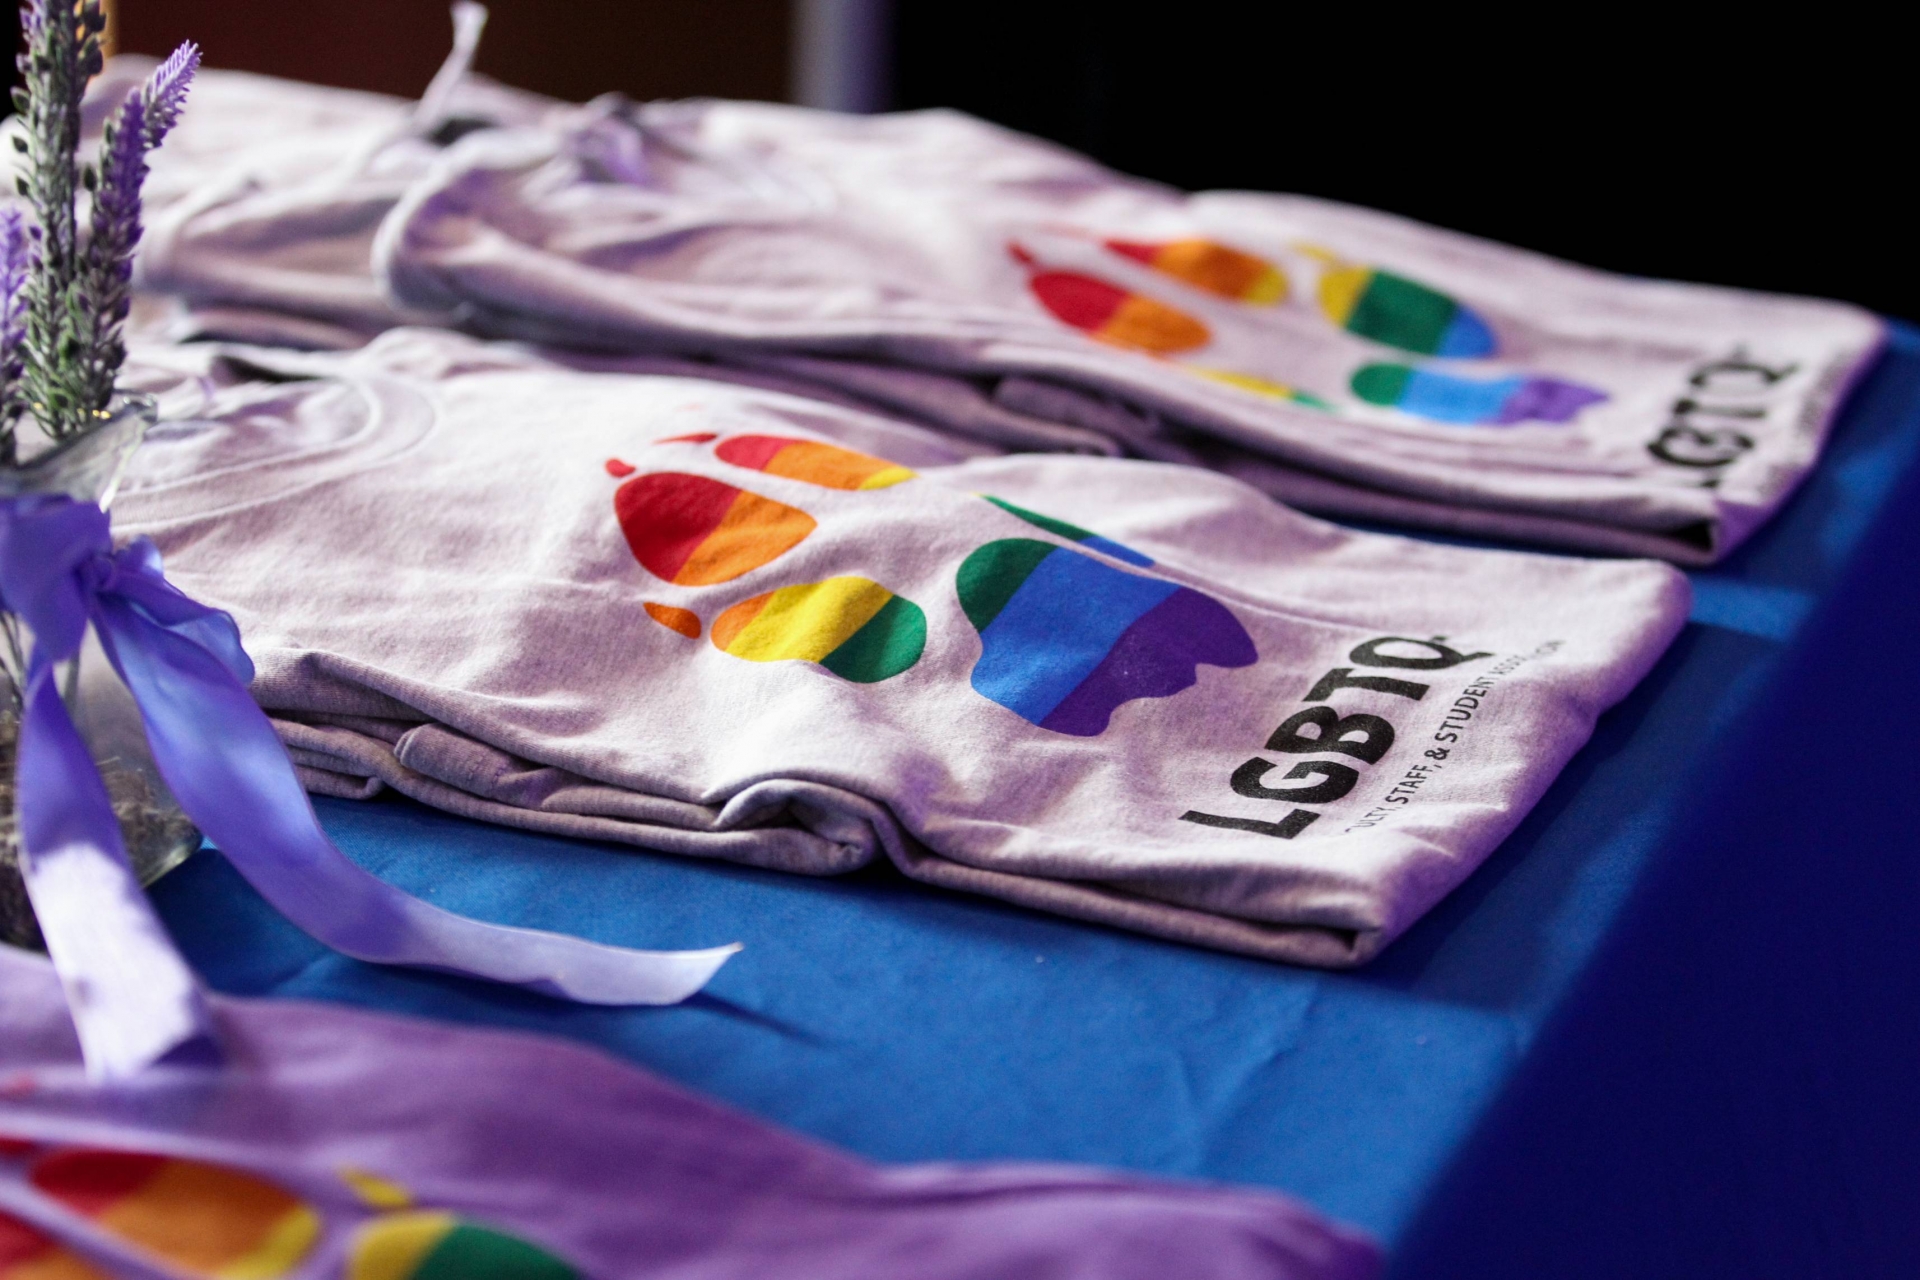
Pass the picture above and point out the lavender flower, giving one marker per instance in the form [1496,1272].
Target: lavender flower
[107,275]
[60,52]
[139,125]
[16,253]
[73,305]
[165,93]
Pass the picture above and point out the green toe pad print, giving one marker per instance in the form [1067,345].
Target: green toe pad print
[442,1246]
[1073,532]
[853,627]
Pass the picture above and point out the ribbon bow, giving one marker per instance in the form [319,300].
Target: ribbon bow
[133,998]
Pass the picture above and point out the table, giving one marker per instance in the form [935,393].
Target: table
[1669,1028]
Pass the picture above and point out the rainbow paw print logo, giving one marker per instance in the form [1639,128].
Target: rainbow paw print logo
[1068,630]
[1371,303]
[211,1222]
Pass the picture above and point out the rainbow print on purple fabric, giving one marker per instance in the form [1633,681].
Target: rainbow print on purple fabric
[1065,639]
[1489,402]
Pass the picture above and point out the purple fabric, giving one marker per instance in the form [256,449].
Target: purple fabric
[133,999]
[601,1165]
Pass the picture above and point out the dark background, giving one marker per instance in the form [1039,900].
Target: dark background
[567,48]
[1759,150]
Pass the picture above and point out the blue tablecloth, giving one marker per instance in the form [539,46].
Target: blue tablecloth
[1606,1053]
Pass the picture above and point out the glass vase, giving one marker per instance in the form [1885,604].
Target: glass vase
[158,835]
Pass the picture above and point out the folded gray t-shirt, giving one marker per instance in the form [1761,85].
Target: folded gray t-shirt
[261,208]
[1346,361]
[729,622]
[1289,336]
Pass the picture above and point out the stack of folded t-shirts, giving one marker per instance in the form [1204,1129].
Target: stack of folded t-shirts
[804,543]
[728,622]
[350,1144]
[1342,360]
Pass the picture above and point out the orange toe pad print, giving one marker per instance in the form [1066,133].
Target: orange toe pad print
[812,461]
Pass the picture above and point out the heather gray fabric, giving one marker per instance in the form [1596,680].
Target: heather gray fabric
[1208,719]
[262,206]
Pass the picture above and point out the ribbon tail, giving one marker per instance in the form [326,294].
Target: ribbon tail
[230,772]
[134,1000]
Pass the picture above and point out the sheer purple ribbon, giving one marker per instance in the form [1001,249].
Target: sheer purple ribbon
[134,1000]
